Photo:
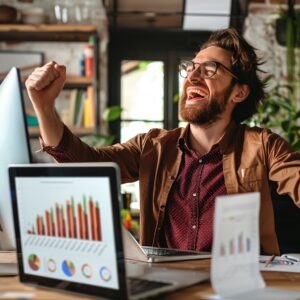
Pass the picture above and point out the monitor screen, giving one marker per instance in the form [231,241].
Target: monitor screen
[14,148]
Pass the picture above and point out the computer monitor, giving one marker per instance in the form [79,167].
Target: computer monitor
[14,148]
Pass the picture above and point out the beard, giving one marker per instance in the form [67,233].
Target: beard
[206,112]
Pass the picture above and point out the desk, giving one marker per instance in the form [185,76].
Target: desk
[273,279]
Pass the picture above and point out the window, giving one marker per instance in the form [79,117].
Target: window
[142,97]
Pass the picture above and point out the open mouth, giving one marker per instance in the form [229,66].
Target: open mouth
[196,94]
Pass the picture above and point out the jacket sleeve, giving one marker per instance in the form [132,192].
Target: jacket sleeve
[126,155]
[284,165]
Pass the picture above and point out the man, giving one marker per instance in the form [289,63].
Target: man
[182,171]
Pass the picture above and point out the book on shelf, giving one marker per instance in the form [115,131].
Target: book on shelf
[72,107]
[79,111]
[89,109]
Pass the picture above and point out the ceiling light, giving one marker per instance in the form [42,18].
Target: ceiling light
[205,15]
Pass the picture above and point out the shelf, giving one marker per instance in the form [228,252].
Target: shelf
[78,82]
[46,32]
[60,33]
[35,132]
[72,81]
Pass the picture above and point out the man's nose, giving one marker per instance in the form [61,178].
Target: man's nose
[195,75]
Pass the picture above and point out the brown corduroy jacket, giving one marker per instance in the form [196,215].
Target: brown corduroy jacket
[252,158]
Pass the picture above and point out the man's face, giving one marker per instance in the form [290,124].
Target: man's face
[205,101]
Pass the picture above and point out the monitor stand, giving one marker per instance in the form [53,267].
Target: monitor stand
[8,269]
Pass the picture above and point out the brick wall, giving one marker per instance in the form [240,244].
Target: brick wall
[260,32]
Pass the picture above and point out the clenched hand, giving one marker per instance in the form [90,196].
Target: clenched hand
[44,85]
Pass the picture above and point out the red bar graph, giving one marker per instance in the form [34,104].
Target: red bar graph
[70,220]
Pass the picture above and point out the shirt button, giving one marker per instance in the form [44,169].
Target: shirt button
[200,161]
[194,226]
[194,194]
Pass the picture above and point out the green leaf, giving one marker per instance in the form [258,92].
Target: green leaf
[296,145]
[144,64]
[286,125]
[112,113]
[268,78]
[286,105]
[176,98]
[297,115]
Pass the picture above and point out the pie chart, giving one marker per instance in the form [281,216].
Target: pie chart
[87,271]
[51,265]
[68,267]
[105,274]
[34,262]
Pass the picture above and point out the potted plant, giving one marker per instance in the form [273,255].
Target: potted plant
[279,112]
[280,109]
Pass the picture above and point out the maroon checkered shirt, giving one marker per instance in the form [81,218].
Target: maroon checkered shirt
[190,207]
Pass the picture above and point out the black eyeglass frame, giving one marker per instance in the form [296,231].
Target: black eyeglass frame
[197,65]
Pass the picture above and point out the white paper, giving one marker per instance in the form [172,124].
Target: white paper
[279,264]
[261,294]
[235,267]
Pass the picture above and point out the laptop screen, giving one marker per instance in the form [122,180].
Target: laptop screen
[68,233]
[66,226]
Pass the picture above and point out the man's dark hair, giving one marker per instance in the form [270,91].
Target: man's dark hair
[245,65]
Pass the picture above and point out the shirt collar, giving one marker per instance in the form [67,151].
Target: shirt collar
[225,143]
[183,139]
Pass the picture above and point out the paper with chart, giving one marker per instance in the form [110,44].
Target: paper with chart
[279,264]
[235,267]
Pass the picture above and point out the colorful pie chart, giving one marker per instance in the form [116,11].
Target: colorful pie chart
[87,271]
[105,274]
[34,262]
[68,267]
[51,265]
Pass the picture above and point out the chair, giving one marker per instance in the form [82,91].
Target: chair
[287,222]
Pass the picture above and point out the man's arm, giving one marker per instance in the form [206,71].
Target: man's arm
[43,87]
[284,166]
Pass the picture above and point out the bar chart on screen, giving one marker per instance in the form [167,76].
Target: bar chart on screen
[81,220]
[68,225]
[65,215]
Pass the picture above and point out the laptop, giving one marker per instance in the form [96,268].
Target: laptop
[133,250]
[68,234]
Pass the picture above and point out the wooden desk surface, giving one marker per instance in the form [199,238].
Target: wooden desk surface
[273,279]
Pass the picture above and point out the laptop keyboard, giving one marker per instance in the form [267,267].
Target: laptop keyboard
[137,286]
[168,252]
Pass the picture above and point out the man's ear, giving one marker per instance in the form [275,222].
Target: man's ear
[241,93]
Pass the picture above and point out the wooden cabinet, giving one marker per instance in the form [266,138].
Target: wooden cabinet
[62,33]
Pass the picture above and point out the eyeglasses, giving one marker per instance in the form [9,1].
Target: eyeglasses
[207,68]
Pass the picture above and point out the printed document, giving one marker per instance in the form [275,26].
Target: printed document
[235,267]
[279,264]
[235,271]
